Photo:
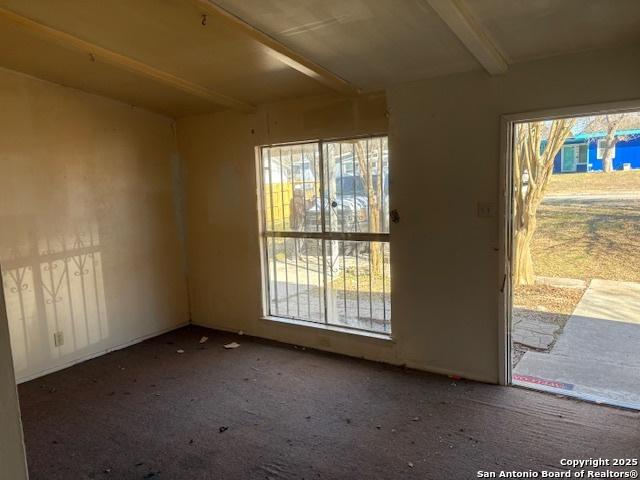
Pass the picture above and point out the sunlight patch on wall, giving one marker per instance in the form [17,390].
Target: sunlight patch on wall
[55,296]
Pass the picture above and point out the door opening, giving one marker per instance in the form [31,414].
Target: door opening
[573,249]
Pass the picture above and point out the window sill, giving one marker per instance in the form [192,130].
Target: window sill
[330,328]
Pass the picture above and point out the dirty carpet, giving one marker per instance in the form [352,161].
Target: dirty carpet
[270,411]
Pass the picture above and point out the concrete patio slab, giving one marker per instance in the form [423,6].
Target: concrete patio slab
[598,354]
[611,300]
[534,334]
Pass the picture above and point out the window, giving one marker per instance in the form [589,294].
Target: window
[583,154]
[325,213]
[602,146]
[574,155]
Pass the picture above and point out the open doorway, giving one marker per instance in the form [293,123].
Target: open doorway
[574,249]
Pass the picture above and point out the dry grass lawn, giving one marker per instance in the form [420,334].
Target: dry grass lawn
[586,237]
[547,298]
[595,182]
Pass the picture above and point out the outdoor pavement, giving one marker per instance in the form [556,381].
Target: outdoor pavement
[533,333]
[298,294]
[597,356]
[347,309]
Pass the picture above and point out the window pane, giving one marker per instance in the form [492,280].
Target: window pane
[359,285]
[291,188]
[348,185]
[357,185]
[295,278]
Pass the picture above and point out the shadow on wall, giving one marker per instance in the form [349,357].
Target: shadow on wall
[53,284]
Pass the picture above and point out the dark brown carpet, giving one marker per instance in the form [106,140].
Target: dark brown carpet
[271,411]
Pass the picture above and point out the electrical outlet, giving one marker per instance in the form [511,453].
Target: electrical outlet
[58,339]
[486,210]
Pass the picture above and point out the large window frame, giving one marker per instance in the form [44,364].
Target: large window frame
[326,237]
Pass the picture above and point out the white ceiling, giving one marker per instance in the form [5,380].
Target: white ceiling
[376,43]
[161,55]
[529,29]
[371,43]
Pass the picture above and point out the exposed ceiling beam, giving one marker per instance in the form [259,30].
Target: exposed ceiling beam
[97,53]
[457,16]
[278,50]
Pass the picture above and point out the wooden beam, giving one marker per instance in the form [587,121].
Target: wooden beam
[456,15]
[278,50]
[97,53]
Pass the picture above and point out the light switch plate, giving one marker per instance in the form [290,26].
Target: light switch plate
[58,339]
[486,210]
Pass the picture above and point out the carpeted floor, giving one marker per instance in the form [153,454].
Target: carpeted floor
[271,411]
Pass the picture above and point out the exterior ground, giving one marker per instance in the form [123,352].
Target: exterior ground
[588,227]
[596,356]
[591,183]
[542,306]
[588,237]
[360,301]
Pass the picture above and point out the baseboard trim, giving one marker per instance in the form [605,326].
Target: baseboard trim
[452,373]
[90,356]
[476,377]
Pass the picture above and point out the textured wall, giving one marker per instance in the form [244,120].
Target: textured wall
[11,442]
[89,238]
[444,138]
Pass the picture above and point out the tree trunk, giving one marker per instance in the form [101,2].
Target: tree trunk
[523,266]
[609,149]
[536,164]
[607,163]
[610,140]
[374,203]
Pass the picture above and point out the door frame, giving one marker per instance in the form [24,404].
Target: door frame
[505,208]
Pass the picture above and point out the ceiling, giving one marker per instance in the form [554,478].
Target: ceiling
[167,35]
[159,55]
[372,43]
[375,43]
[532,29]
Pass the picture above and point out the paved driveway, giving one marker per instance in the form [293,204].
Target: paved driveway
[598,355]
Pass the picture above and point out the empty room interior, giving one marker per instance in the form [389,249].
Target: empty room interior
[297,239]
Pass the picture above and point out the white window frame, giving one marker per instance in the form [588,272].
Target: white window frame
[600,149]
[324,236]
[586,157]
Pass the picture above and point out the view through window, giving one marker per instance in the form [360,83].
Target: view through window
[326,232]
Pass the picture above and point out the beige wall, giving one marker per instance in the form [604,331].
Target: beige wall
[445,144]
[445,150]
[222,217]
[89,241]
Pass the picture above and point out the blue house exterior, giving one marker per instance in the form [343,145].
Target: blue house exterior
[580,153]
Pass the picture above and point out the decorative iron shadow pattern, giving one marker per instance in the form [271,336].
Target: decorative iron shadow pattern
[59,288]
